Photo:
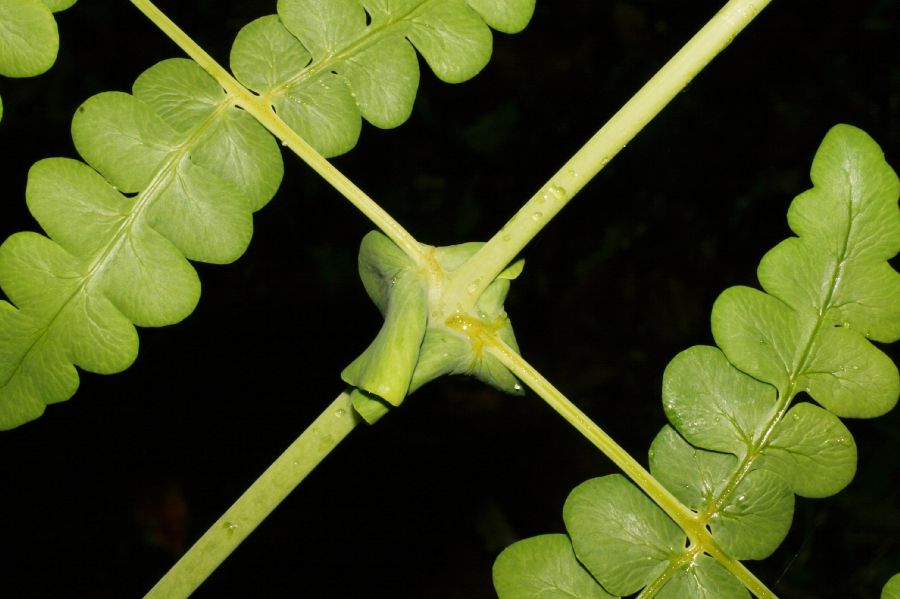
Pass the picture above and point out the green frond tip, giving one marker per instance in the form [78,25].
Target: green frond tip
[737,450]
[325,65]
[411,348]
[828,291]
[173,172]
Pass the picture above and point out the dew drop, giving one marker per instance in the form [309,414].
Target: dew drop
[537,216]
[507,237]
[556,192]
[741,498]
[229,527]
[572,173]
[855,367]
[795,416]
[340,413]
[762,341]
[517,387]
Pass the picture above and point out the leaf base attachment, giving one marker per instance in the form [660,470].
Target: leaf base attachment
[416,344]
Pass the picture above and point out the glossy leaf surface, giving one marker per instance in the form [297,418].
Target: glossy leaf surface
[171,174]
[704,578]
[544,567]
[175,170]
[829,289]
[29,40]
[737,450]
[620,536]
[324,66]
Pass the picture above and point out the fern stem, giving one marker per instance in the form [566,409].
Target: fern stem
[740,571]
[258,501]
[490,341]
[684,517]
[262,112]
[671,79]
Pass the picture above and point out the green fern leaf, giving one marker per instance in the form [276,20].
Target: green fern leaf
[704,578]
[29,40]
[749,521]
[544,566]
[173,172]
[323,68]
[830,289]
[176,171]
[737,450]
[620,536]
[627,542]
[811,448]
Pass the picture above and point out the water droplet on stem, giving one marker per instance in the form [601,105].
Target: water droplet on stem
[557,193]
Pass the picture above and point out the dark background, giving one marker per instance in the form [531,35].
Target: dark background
[100,494]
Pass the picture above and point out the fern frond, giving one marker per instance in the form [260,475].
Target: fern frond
[737,450]
[174,172]
[29,40]
[323,68]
